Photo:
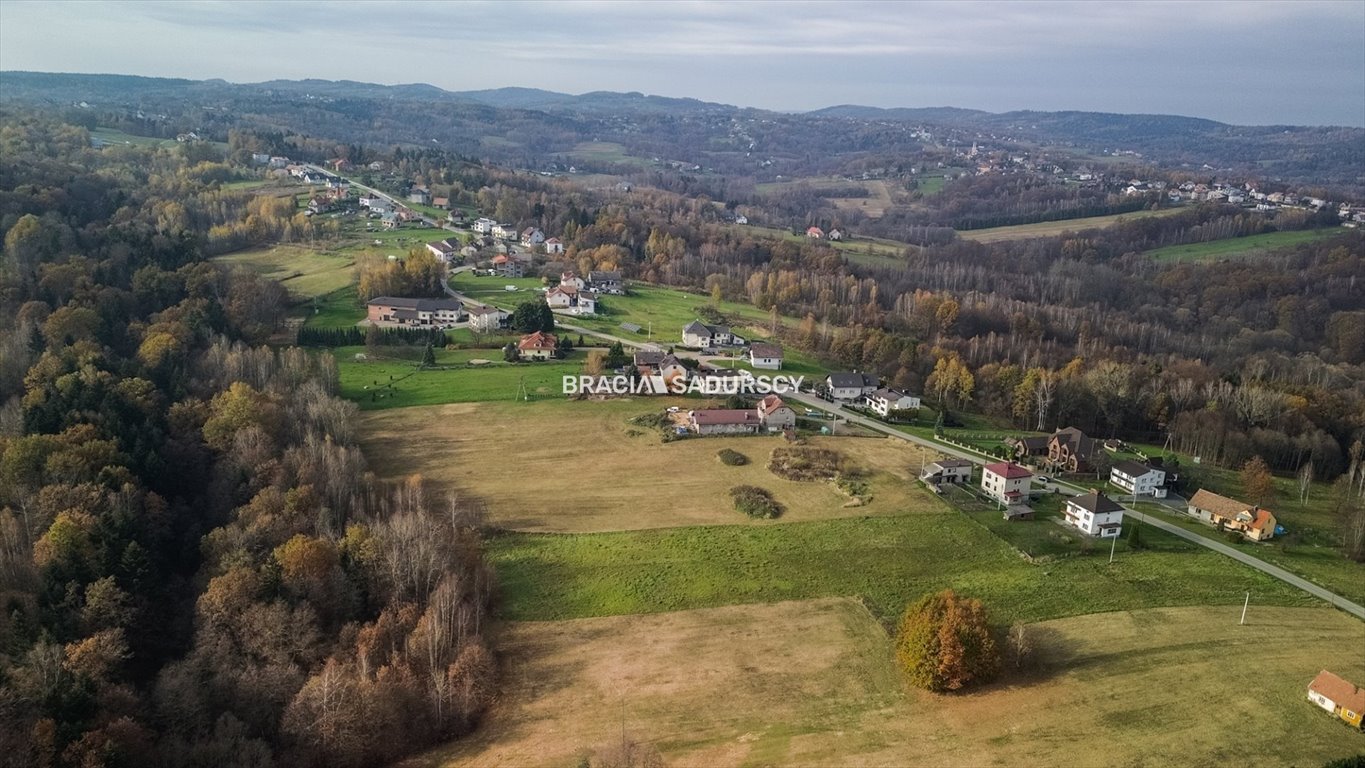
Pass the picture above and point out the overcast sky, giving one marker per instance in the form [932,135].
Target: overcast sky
[1253,62]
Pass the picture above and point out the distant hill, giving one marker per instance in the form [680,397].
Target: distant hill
[531,126]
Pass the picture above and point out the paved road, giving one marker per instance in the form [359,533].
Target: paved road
[429,220]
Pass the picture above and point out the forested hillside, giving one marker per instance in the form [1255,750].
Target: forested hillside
[195,566]
[541,129]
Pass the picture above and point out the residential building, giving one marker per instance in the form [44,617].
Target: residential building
[554,245]
[815,233]
[505,231]
[765,356]
[486,319]
[948,472]
[1228,514]
[741,219]
[835,234]
[570,300]
[775,414]
[1138,479]
[606,282]
[537,346]
[447,250]
[441,202]
[1070,450]
[883,401]
[483,226]
[531,237]
[1094,514]
[724,421]
[850,385]
[419,196]
[506,266]
[570,280]
[1006,481]
[671,369]
[1338,696]
[420,312]
[699,335]
[648,358]
[1027,447]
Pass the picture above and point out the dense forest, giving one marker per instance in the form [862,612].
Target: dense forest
[195,566]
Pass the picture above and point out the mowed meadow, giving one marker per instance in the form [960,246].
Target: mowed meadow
[810,683]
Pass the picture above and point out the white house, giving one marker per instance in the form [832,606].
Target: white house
[720,421]
[531,237]
[765,356]
[554,245]
[948,471]
[850,386]
[505,231]
[697,334]
[483,226]
[1094,514]
[570,280]
[775,414]
[486,319]
[1139,479]
[445,250]
[1006,481]
[883,401]
[567,299]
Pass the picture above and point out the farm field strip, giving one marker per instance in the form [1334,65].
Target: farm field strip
[1240,247]
[1054,228]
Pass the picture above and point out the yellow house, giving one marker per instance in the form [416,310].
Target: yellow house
[1338,696]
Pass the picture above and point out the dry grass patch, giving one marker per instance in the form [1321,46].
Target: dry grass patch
[811,683]
[561,466]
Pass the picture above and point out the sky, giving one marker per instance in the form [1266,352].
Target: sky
[1258,62]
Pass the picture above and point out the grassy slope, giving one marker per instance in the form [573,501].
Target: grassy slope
[305,272]
[1242,247]
[887,561]
[396,383]
[1054,228]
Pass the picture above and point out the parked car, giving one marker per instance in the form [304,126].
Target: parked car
[1044,479]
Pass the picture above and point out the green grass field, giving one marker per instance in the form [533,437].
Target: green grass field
[1054,228]
[666,310]
[307,273]
[397,383]
[887,562]
[1240,247]
[112,136]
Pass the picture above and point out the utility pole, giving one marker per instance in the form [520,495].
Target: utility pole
[1244,609]
[1112,544]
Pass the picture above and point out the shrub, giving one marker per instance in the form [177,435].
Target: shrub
[755,502]
[945,644]
[806,463]
[731,458]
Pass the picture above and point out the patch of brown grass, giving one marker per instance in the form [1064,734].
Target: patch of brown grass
[569,466]
[811,683]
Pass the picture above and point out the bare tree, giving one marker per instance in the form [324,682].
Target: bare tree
[1043,394]
[1305,481]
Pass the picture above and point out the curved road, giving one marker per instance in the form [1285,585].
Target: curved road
[978,458]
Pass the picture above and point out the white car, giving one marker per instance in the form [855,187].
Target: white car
[673,409]
[510,288]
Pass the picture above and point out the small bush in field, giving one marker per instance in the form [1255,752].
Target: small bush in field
[731,458]
[755,502]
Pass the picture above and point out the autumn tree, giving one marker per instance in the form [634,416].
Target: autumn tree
[945,644]
[1257,482]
